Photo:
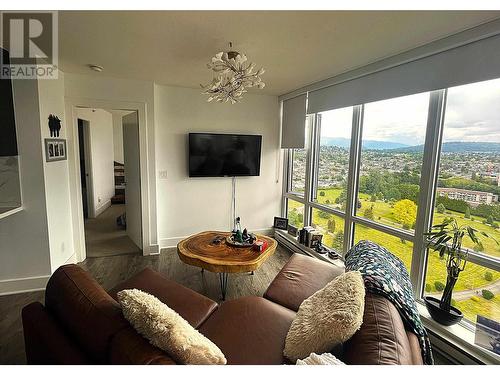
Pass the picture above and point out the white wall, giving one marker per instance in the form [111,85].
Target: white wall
[101,150]
[51,101]
[117,137]
[189,205]
[24,239]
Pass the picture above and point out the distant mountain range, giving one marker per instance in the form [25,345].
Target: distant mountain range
[373,145]
[458,147]
[400,147]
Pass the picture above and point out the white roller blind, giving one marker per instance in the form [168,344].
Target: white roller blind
[477,61]
[293,122]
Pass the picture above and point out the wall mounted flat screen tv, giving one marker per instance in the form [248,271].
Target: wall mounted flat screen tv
[219,155]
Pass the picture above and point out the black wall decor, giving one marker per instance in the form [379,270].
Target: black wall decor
[54,125]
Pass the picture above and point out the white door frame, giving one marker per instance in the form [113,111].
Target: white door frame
[74,169]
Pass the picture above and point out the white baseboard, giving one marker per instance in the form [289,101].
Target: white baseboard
[102,208]
[169,243]
[23,285]
[154,249]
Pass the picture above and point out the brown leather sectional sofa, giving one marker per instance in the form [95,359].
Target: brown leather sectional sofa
[83,324]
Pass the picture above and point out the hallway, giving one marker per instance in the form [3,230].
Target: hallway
[103,237]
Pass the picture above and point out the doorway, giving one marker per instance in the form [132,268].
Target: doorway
[108,143]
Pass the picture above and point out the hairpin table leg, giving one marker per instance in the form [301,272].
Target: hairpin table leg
[223,284]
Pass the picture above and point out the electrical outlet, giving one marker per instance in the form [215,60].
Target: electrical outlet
[163,175]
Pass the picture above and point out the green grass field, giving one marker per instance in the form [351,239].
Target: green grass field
[471,278]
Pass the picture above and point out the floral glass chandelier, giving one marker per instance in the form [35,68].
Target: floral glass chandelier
[233,75]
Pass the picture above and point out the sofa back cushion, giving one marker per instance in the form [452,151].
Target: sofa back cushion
[84,309]
[382,338]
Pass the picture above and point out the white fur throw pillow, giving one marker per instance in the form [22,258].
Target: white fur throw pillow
[167,330]
[329,317]
[320,359]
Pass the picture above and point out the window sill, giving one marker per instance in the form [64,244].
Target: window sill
[10,212]
[289,241]
[459,336]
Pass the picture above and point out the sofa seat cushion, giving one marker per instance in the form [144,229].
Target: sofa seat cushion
[189,304]
[382,338]
[250,331]
[300,278]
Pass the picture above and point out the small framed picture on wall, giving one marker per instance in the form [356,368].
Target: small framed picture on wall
[55,149]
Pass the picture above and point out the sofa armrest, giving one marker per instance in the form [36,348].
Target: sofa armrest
[299,279]
[44,340]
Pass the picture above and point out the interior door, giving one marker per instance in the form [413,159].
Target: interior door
[86,183]
[132,177]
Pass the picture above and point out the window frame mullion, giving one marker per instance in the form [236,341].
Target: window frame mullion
[353,175]
[428,184]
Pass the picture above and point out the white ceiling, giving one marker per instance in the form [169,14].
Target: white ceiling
[295,48]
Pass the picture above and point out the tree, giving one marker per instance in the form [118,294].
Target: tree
[488,276]
[428,288]
[441,208]
[338,240]
[487,294]
[300,218]
[324,215]
[467,213]
[373,198]
[489,220]
[331,225]
[321,193]
[409,191]
[439,286]
[368,213]
[405,212]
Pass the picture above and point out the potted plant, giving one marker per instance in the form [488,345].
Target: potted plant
[447,239]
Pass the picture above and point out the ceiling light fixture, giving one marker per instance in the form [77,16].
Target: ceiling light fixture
[233,75]
[96,68]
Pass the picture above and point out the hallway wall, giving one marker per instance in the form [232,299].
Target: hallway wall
[101,150]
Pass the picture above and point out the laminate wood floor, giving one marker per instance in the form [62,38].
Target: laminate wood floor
[109,271]
[104,238]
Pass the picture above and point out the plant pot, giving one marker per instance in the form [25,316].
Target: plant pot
[446,318]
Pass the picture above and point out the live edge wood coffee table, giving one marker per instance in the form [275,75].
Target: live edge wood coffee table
[201,250]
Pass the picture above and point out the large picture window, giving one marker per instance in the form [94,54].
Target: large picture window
[391,160]
[333,160]
[365,176]
[469,168]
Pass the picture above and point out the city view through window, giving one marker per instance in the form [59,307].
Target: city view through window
[468,186]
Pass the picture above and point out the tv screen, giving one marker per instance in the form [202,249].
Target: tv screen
[218,155]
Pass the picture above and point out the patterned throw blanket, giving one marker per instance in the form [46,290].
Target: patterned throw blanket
[386,275]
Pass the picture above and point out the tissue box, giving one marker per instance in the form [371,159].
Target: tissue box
[259,246]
